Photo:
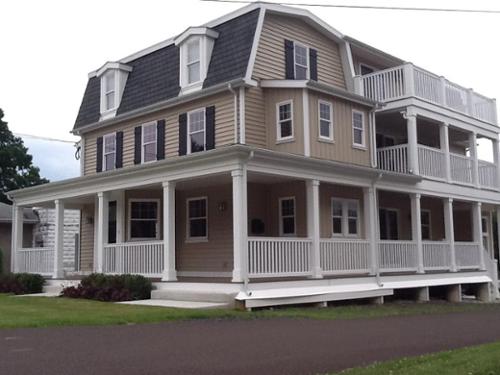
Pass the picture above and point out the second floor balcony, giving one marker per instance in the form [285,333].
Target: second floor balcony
[407,81]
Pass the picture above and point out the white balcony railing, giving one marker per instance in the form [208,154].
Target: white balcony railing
[393,158]
[142,258]
[431,162]
[487,174]
[436,255]
[397,256]
[461,169]
[279,257]
[467,255]
[408,81]
[35,260]
[344,256]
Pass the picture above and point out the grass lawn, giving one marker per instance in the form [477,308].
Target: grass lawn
[44,312]
[476,360]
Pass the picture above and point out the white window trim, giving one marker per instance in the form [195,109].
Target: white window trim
[281,217]
[278,122]
[429,212]
[105,113]
[188,63]
[190,239]
[295,63]
[354,144]
[129,232]
[345,217]
[188,130]
[104,153]
[154,124]
[331,138]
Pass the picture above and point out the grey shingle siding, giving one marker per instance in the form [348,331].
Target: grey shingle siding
[155,77]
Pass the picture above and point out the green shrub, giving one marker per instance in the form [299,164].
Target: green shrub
[21,283]
[111,288]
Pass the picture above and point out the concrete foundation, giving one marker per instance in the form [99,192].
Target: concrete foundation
[483,292]
[377,300]
[454,293]
[422,294]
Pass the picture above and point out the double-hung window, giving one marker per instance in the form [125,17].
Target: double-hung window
[358,128]
[109,152]
[345,217]
[425,223]
[193,62]
[325,110]
[301,61]
[284,114]
[197,214]
[109,91]
[149,141]
[196,131]
[287,216]
[144,219]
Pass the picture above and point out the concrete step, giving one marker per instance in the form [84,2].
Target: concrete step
[177,304]
[56,286]
[193,295]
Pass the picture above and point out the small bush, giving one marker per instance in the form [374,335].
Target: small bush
[114,288]
[21,283]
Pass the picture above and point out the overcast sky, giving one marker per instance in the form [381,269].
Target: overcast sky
[48,47]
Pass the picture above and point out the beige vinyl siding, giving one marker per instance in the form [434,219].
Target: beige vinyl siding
[255,120]
[270,58]
[341,149]
[224,129]
[271,98]
[216,254]
[87,238]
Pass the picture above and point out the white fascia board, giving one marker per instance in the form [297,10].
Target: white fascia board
[191,31]
[110,65]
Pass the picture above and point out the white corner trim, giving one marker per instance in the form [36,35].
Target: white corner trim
[305,121]
[255,45]
[242,116]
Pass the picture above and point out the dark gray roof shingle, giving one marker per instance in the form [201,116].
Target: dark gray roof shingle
[155,76]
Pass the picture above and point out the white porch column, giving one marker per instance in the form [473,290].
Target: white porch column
[478,231]
[102,227]
[169,273]
[498,227]
[411,127]
[496,159]
[416,230]
[444,141]
[473,155]
[59,239]
[240,225]
[17,236]
[120,216]
[313,226]
[370,212]
[449,229]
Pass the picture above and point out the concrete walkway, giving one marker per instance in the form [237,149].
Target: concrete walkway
[243,347]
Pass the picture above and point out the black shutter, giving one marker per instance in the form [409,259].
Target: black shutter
[160,140]
[98,159]
[119,150]
[289,68]
[182,134]
[210,127]
[137,144]
[313,64]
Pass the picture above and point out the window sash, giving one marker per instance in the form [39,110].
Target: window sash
[109,90]
[139,220]
[284,217]
[191,133]
[145,128]
[191,219]
[328,120]
[345,217]
[283,121]
[358,128]
[109,151]
[193,75]
[298,56]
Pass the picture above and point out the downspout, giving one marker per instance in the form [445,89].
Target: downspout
[235,110]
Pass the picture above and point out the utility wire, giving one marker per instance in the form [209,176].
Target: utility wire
[371,7]
[22,135]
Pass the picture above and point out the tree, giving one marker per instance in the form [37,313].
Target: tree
[16,168]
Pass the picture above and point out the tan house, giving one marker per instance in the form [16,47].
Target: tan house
[268,158]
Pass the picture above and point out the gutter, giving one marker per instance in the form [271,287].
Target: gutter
[165,104]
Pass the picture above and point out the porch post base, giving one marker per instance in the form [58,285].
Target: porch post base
[317,273]
[237,276]
[169,276]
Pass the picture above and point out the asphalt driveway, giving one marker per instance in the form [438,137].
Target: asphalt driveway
[243,347]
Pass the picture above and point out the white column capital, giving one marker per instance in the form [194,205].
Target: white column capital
[167,184]
[314,182]
[237,172]
[444,124]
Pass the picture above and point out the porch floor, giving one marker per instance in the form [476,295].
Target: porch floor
[177,304]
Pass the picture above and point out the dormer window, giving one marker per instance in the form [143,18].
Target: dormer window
[113,77]
[196,45]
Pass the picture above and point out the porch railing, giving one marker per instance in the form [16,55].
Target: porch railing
[282,257]
[467,255]
[431,162]
[344,256]
[437,255]
[35,260]
[397,256]
[408,80]
[461,168]
[393,158]
[143,258]
[487,174]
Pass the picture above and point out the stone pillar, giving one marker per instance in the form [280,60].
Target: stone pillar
[169,272]
[313,226]
[59,239]
[450,231]
[240,225]
[416,230]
